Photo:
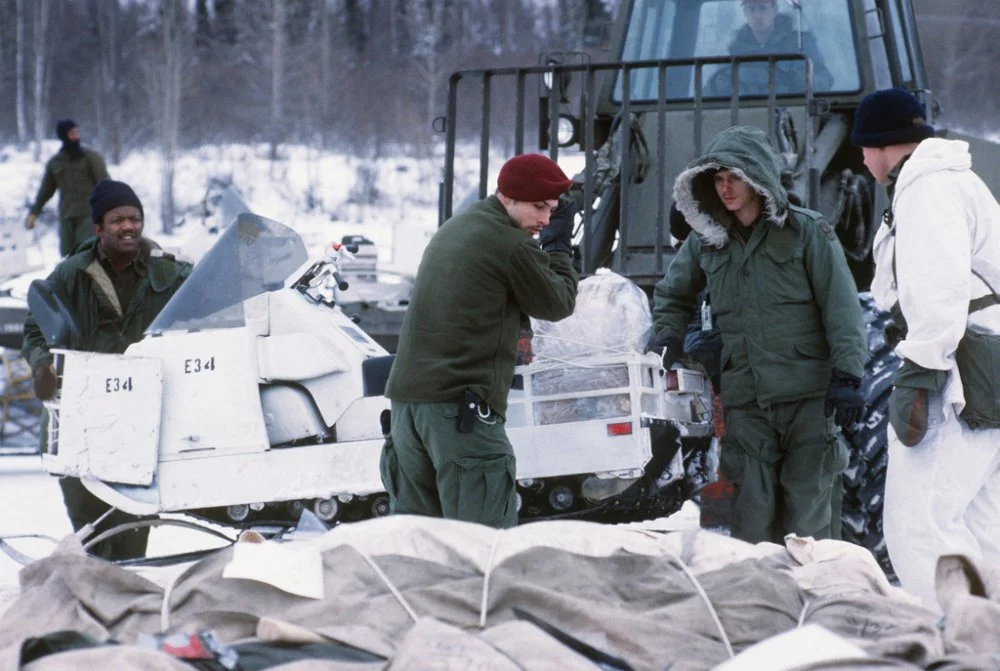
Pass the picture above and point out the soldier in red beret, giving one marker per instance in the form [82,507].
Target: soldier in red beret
[447,454]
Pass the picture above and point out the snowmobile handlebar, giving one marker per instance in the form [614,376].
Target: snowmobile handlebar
[342,284]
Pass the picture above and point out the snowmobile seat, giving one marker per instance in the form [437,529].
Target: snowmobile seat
[375,373]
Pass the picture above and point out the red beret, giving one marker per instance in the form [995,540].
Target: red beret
[532,178]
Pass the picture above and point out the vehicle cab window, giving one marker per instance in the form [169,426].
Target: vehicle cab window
[677,29]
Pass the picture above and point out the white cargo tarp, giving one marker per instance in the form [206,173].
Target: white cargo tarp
[428,593]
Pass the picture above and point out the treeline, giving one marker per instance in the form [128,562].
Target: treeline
[345,72]
[961,52]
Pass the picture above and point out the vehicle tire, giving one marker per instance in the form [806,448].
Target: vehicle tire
[864,479]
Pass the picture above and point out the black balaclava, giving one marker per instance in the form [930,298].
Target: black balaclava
[72,147]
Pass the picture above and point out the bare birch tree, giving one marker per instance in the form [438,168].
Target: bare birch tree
[107,103]
[19,74]
[41,40]
[165,100]
[325,62]
[277,75]
[426,22]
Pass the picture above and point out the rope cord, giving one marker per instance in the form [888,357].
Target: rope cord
[708,603]
[486,581]
[802,615]
[392,588]
[168,591]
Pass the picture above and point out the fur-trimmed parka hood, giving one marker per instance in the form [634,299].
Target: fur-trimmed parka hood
[745,151]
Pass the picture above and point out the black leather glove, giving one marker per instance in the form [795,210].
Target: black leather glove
[558,235]
[909,401]
[844,400]
[668,347]
[45,382]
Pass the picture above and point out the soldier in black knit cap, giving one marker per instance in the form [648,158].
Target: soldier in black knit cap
[114,286]
[74,171]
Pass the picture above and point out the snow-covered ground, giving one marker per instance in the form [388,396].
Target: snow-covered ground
[322,195]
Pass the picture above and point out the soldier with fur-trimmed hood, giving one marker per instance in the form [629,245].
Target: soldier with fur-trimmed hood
[792,333]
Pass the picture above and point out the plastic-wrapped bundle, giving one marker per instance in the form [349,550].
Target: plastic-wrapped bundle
[611,317]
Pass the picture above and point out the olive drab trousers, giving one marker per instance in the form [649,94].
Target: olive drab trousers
[73,231]
[786,462]
[84,508]
[429,468]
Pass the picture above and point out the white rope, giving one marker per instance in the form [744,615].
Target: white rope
[392,588]
[486,581]
[168,591]
[546,362]
[802,615]
[708,602]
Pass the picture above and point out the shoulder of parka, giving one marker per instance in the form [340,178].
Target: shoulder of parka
[811,222]
[53,161]
[78,261]
[166,271]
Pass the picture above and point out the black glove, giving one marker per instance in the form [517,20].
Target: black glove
[668,347]
[558,235]
[45,382]
[844,400]
[909,401]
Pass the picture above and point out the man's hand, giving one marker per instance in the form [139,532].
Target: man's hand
[29,223]
[669,349]
[844,401]
[909,403]
[45,382]
[558,235]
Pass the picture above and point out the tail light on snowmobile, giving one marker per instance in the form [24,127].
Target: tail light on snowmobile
[620,429]
[673,384]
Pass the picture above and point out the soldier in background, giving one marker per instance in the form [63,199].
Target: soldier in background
[769,31]
[74,171]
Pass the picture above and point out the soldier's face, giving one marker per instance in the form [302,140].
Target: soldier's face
[530,217]
[73,135]
[734,193]
[760,13]
[877,162]
[121,231]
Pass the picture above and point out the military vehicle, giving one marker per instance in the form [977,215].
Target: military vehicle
[674,79]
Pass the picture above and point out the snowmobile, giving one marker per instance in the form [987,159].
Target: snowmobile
[13,264]
[253,396]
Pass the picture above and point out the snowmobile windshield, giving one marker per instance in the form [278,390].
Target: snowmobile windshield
[254,255]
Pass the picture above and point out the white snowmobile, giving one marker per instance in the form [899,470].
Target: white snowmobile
[253,396]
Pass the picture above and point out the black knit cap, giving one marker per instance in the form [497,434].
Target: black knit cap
[888,117]
[109,194]
[63,127]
